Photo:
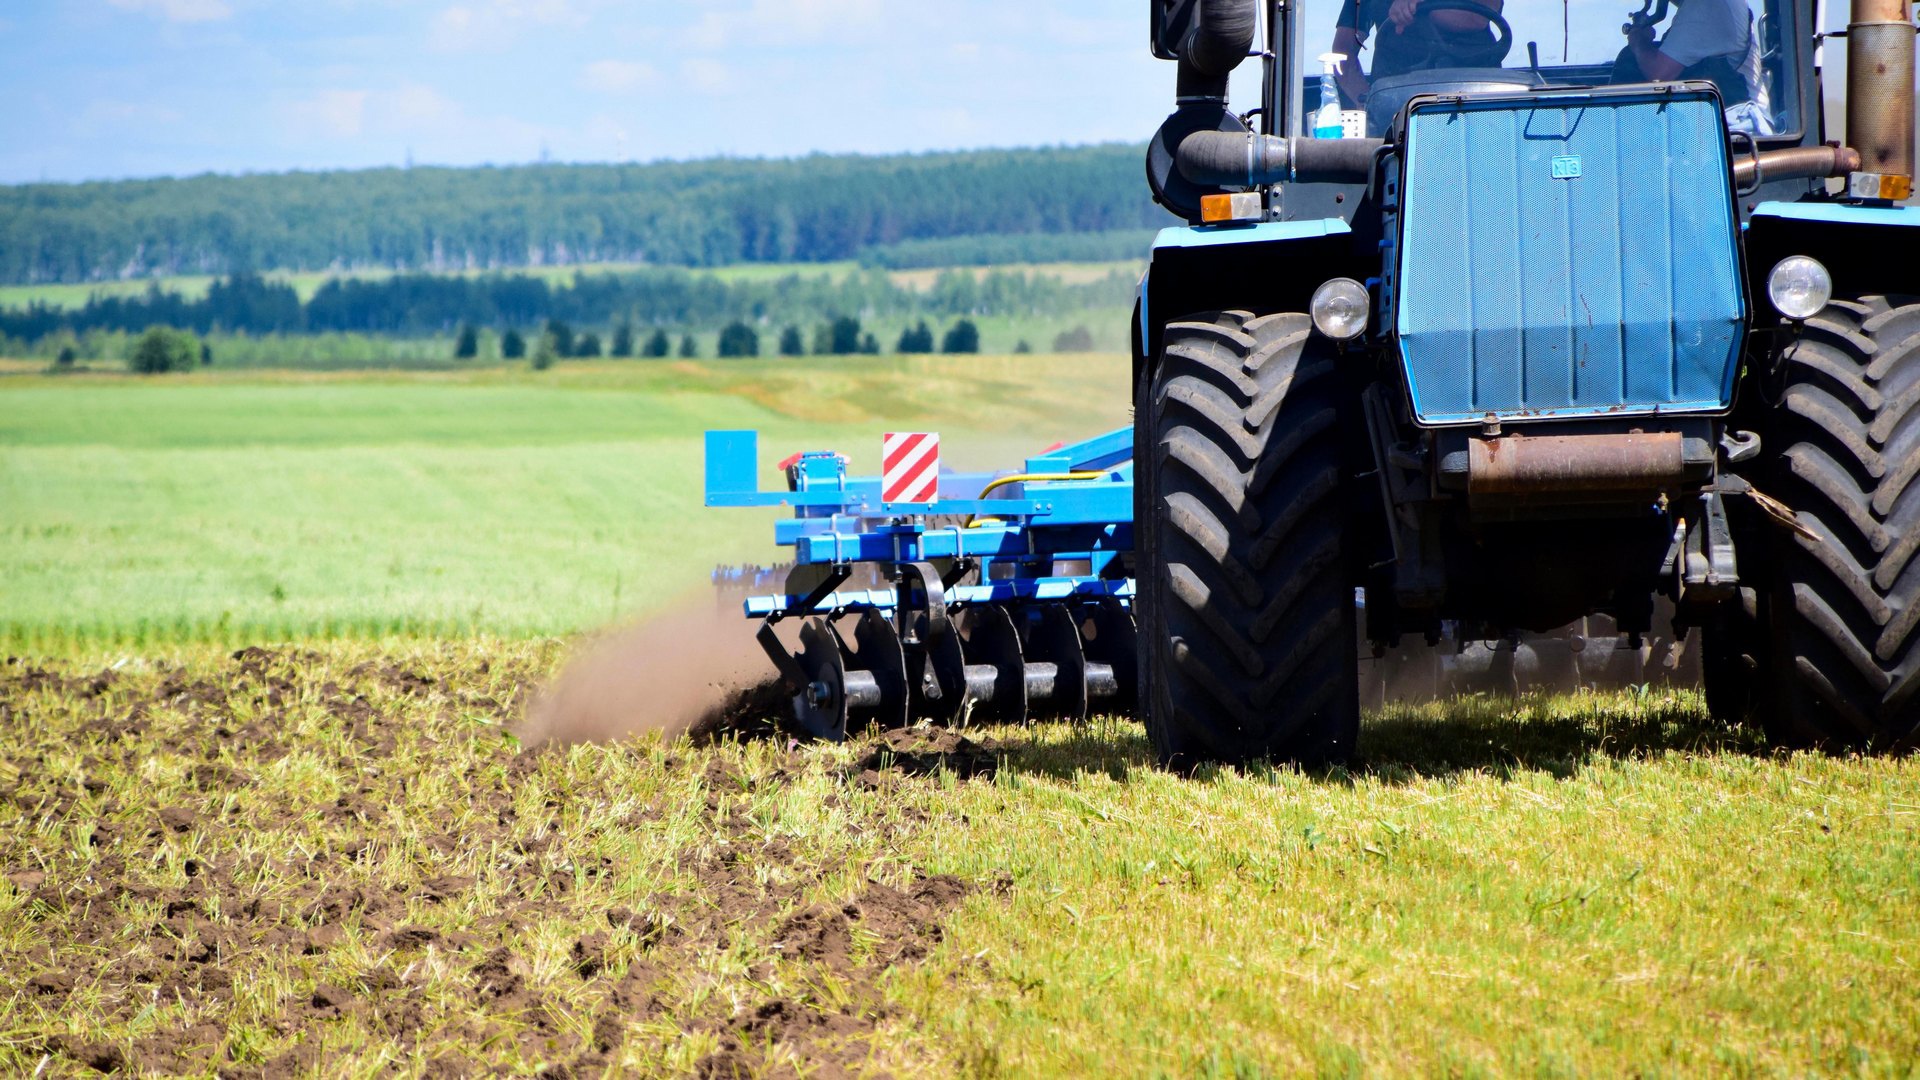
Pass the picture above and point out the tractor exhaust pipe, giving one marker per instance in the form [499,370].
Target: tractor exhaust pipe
[1795,163]
[1880,50]
[1234,159]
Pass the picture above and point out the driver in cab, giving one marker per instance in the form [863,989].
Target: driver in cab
[1410,39]
[1707,39]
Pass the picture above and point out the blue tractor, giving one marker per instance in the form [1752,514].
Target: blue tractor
[1451,345]
[1507,342]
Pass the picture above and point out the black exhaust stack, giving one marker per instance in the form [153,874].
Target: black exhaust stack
[1218,38]
[1203,148]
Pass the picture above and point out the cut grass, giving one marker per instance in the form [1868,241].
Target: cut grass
[232,508]
[1601,884]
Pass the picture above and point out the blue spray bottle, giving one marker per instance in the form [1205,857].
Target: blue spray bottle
[1326,119]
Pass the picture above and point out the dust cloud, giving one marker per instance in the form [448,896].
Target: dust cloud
[691,669]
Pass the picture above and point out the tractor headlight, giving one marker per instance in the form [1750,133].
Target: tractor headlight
[1799,287]
[1340,308]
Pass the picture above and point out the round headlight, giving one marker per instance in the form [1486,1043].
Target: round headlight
[1799,287]
[1340,308]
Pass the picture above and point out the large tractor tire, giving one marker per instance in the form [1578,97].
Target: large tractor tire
[1247,622]
[1843,450]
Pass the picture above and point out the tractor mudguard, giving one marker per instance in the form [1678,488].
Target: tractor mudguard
[1841,236]
[1270,266]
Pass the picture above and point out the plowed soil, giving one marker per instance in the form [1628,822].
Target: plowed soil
[283,863]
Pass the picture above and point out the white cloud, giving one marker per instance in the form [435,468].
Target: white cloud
[493,24]
[709,76]
[617,76]
[180,11]
[121,117]
[409,109]
[340,113]
[789,22]
[411,105]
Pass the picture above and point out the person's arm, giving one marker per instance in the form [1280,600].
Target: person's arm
[1353,82]
[1655,66]
[1349,36]
[1700,29]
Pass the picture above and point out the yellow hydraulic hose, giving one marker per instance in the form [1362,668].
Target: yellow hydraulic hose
[1027,478]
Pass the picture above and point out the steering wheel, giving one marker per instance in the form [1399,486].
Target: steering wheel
[1442,51]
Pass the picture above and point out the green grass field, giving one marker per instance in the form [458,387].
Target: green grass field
[333,859]
[231,508]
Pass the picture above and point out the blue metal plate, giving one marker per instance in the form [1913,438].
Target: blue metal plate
[1568,255]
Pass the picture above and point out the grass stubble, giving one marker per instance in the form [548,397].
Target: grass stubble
[340,861]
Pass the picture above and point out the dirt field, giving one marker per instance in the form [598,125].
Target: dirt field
[288,863]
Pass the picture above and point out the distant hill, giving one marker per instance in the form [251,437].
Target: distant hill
[705,213]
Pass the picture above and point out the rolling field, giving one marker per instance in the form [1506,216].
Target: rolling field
[332,856]
[230,508]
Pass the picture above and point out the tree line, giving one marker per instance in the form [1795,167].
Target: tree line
[704,213]
[843,335]
[430,304]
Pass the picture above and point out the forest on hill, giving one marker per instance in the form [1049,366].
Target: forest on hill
[898,210]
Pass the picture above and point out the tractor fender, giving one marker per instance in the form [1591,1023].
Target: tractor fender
[1263,268]
[1840,235]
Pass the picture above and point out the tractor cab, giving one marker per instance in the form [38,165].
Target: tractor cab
[1734,44]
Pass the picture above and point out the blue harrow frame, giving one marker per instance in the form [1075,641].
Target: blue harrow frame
[1005,592]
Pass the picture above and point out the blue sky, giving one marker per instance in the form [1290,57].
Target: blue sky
[114,88]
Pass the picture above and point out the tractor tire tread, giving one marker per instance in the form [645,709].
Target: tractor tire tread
[1248,629]
[1846,440]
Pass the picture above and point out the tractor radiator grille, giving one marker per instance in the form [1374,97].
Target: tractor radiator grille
[1568,255]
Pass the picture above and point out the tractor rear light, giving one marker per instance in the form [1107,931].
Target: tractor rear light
[1220,209]
[1339,309]
[1886,187]
[1799,287]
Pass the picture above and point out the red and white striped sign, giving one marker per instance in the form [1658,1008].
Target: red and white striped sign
[909,466]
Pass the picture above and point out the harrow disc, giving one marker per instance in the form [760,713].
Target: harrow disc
[1053,639]
[997,677]
[821,706]
[876,652]
[936,671]
[1108,635]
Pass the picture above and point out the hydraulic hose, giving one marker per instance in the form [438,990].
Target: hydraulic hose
[1039,478]
[1028,478]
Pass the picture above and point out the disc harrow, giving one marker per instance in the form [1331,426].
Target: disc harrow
[998,597]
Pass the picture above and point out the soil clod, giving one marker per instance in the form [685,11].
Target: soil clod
[922,751]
